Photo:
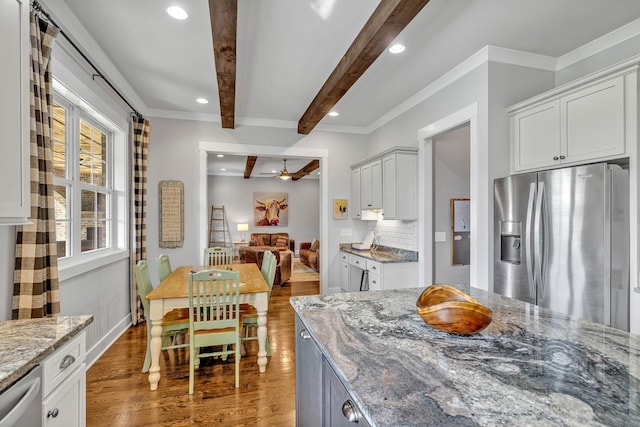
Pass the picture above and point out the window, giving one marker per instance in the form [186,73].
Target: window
[83,184]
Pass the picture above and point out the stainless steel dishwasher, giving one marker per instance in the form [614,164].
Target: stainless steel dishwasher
[21,403]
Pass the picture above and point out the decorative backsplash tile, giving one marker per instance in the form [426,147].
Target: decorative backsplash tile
[396,234]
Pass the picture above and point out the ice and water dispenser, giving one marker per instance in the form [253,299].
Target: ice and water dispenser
[510,241]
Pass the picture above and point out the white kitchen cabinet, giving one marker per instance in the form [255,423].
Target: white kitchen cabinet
[577,123]
[399,186]
[344,272]
[64,385]
[371,185]
[356,210]
[388,275]
[14,111]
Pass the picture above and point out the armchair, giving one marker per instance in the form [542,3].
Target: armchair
[310,254]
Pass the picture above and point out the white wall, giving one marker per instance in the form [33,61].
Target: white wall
[174,155]
[451,180]
[236,194]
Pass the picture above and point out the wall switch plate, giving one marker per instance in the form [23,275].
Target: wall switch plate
[440,236]
[346,232]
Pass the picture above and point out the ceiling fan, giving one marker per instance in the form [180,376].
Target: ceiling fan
[284,174]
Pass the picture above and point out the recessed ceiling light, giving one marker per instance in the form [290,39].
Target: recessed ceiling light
[223,169]
[274,171]
[202,101]
[396,48]
[334,114]
[176,12]
[219,155]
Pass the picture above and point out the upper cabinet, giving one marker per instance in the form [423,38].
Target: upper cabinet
[584,121]
[14,111]
[388,184]
[371,185]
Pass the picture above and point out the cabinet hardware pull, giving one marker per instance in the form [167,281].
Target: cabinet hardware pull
[304,334]
[66,362]
[562,157]
[52,413]
[350,412]
[555,157]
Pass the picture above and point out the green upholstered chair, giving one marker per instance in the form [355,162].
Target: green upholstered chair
[217,256]
[214,304]
[174,324]
[249,313]
[164,266]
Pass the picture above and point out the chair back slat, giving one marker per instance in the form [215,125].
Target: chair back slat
[218,256]
[214,299]
[268,270]
[143,284]
[164,266]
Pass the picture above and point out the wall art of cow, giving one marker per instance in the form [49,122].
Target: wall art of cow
[270,209]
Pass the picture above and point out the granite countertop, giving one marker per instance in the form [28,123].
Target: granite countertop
[26,343]
[530,366]
[383,254]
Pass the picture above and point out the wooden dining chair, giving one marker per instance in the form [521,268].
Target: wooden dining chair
[174,324]
[249,313]
[218,256]
[214,304]
[164,266]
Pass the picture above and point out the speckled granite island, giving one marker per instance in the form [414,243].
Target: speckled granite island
[26,343]
[528,367]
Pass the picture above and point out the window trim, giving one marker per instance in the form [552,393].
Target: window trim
[118,178]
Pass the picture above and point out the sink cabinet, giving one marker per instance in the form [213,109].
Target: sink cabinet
[321,398]
[387,275]
[584,121]
[14,111]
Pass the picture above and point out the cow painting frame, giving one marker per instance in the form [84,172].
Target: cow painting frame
[270,209]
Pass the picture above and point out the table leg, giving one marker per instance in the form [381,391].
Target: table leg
[156,342]
[262,340]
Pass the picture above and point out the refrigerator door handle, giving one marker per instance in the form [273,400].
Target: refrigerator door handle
[539,240]
[529,239]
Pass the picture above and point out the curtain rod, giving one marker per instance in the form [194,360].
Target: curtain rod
[38,8]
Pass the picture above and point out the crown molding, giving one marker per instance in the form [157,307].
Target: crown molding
[600,44]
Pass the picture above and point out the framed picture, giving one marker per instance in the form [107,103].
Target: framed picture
[171,204]
[271,209]
[340,209]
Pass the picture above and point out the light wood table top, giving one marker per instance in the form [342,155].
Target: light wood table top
[175,285]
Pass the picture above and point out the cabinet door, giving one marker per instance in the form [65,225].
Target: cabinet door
[371,185]
[14,111]
[389,183]
[593,121]
[308,379]
[376,181]
[344,278]
[340,409]
[355,193]
[536,137]
[65,406]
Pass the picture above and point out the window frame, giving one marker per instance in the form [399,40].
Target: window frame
[116,186]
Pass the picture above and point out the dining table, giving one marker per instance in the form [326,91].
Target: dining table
[173,292]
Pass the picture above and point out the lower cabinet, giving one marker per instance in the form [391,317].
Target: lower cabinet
[308,379]
[64,385]
[321,398]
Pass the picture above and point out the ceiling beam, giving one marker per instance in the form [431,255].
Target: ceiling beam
[306,170]
[248,168]
[224,23]
[384,25]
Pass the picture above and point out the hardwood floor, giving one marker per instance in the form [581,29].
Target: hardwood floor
[118,392]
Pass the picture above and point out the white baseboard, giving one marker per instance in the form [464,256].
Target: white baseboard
[105,342]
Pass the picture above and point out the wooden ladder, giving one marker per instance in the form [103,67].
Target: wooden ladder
[219,228]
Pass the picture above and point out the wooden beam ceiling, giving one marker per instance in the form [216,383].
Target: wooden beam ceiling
[384,25]
[306,170]
[248,168]
[224,22]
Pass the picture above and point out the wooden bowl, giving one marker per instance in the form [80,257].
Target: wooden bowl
[450,310]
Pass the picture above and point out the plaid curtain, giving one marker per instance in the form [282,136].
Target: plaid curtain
[139,203]
[35,277]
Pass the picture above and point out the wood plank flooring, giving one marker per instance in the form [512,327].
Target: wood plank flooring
[118,392]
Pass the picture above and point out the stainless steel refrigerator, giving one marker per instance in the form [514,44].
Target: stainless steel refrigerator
[562,241]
